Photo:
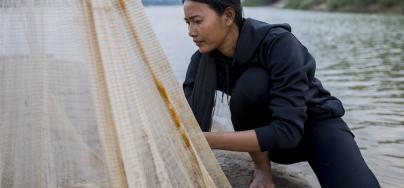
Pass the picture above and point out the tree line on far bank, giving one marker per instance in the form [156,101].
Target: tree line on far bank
[394,6]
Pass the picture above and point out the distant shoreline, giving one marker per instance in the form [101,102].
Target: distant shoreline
[378,8]
[314,5]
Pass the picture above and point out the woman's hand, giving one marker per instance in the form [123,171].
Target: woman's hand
[262,178]
[245,141]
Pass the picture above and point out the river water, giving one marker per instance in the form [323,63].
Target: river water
[360,59]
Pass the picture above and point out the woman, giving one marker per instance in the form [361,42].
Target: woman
[280,111]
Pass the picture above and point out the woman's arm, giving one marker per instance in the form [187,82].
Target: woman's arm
[245,141]
[291,68]
[290,77]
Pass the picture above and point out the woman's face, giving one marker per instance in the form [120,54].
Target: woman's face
[207,29]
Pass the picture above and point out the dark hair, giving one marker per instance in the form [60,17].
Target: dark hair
[219,6]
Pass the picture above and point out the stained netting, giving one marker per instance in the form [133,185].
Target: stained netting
[87,99]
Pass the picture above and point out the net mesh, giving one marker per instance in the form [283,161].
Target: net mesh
[87,99]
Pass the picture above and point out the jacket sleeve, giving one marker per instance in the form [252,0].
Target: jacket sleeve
[289,70]
[188,84]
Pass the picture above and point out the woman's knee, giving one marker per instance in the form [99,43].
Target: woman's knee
[252,87]
[249,100]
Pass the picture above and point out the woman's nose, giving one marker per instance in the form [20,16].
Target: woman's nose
[191,31]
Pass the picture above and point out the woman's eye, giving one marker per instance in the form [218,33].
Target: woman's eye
[198,21]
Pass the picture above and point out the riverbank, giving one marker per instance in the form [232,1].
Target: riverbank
[375,6]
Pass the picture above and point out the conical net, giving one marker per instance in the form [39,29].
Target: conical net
[87,99]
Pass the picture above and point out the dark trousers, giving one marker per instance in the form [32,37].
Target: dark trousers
[328,144]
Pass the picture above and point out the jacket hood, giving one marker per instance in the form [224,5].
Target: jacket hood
[251,36]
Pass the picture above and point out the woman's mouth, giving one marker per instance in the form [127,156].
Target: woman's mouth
[198,43]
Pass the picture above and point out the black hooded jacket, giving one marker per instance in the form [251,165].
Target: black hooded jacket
[295,96]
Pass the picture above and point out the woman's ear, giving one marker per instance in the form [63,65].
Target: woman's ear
[229,16]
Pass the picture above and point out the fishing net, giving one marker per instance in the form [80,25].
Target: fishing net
[87,99]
